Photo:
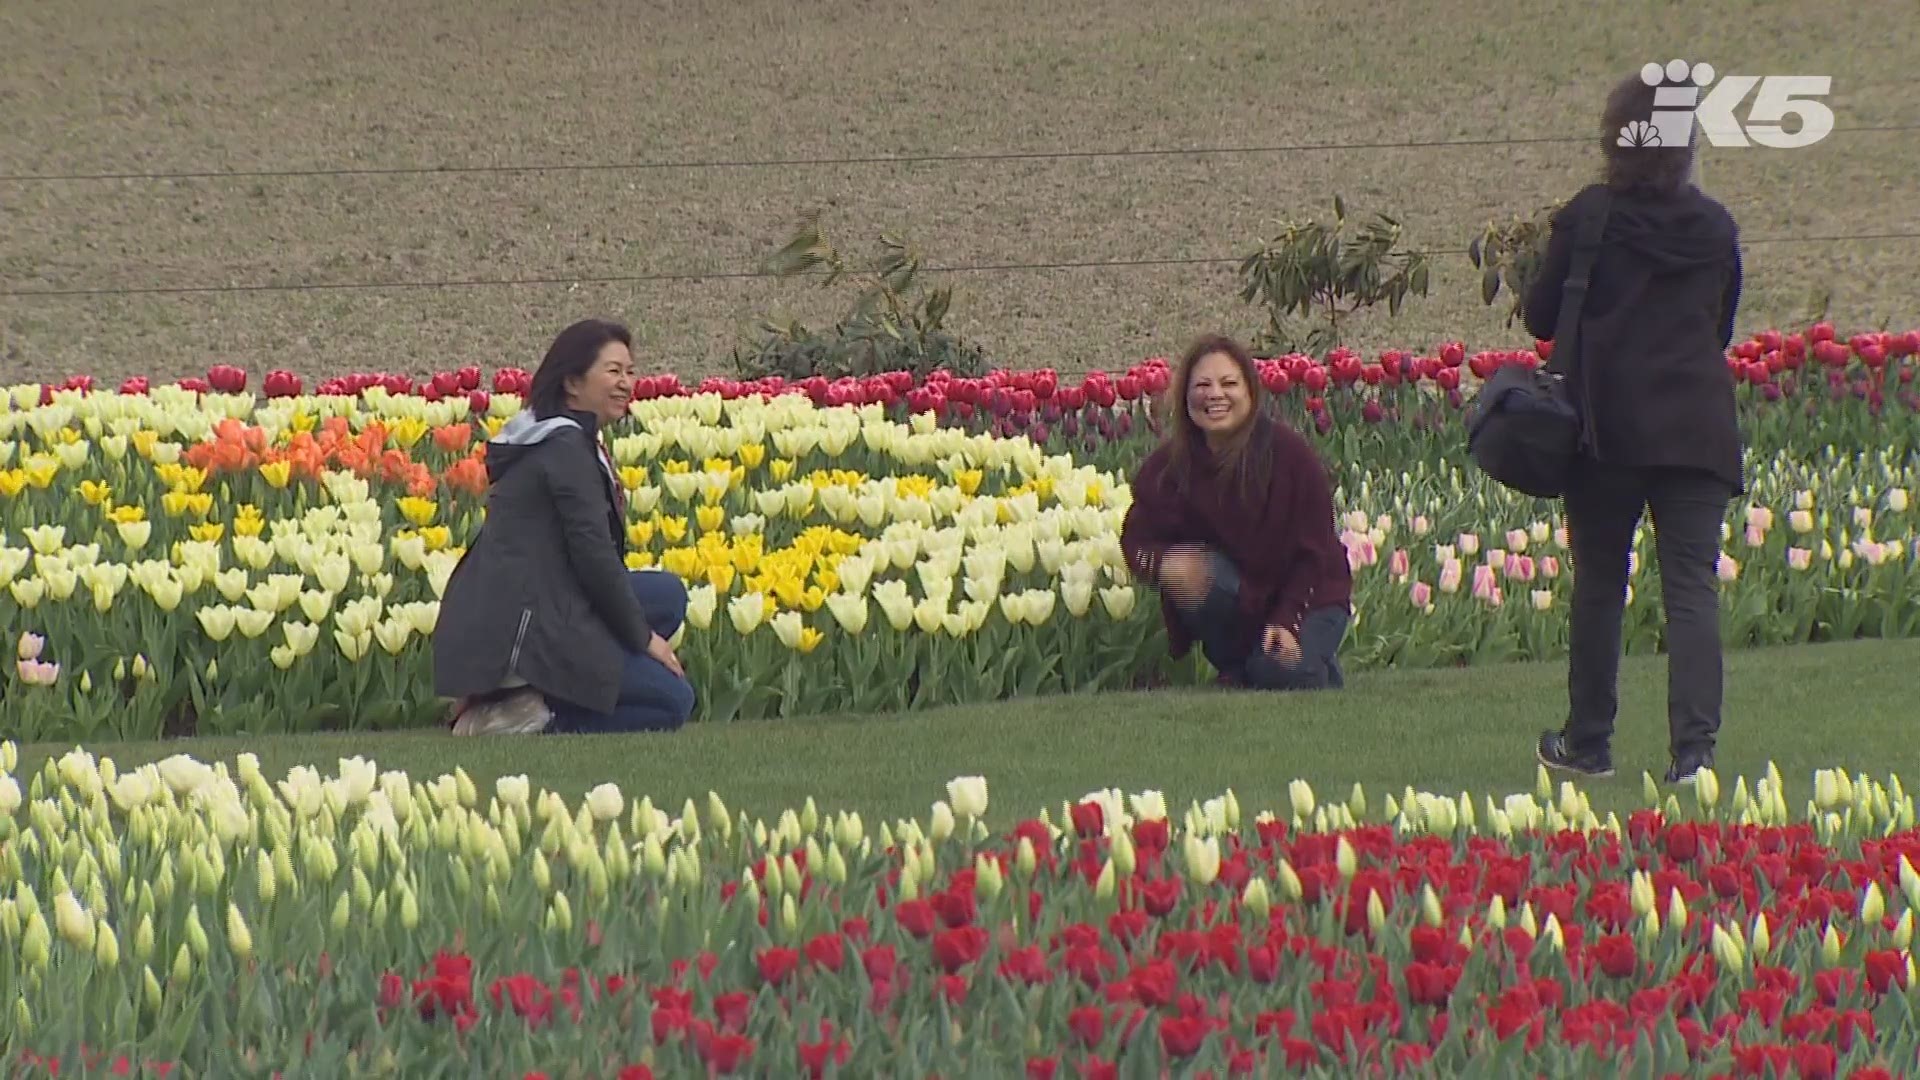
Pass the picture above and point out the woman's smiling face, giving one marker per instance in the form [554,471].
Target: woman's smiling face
[606,388]
[1218,401]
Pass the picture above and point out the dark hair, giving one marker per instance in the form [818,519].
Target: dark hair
[1247,454]
[572,354]
[1640,167]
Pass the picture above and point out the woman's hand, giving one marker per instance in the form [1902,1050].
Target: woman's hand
[1184,573]
[1281,644]
[663,652]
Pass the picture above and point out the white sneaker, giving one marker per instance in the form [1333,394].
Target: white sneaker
[523,712]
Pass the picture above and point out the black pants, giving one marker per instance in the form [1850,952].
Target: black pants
[1603,507]
[1222,630]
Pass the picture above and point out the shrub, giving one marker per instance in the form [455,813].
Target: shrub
[1310,270]
[895,323]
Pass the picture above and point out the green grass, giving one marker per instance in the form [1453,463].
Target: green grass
[1846,705]
[224,85]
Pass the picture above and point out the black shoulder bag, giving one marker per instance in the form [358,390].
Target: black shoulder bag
[1525,426]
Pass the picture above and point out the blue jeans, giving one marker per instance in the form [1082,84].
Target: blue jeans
[1222,631]
[652,698]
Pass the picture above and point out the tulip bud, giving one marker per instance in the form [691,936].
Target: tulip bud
[1357,802]
[1301,794]
[1391,808]
[1706,788]
[940,825]
[789,914]
[1104,886]
[1551,932]
[1202,859]
[182,974]
[1497,912]
[562,913]
[150,990]
[1121,850]
[1641,894]
[22,1016]
[986,875]
[36,943]
[1025,860]
[106,947]
[1344,859]
[1903,930]
[1430,912]
[1830,947]
[1762,937]
[1873,907]
[1676,910]
[1542,784]
[1255,899]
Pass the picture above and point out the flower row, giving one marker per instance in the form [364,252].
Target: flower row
[1820,345]
[183,913]
[187,571]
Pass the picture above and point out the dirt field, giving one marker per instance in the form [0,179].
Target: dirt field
[112,86]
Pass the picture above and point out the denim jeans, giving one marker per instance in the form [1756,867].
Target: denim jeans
[1603,507]
[1222,630]
[652,698]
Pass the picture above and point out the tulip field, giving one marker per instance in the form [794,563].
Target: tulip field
[196,558]
[165,918]
[199,558]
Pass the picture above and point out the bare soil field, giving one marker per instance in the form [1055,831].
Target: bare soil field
[620,140]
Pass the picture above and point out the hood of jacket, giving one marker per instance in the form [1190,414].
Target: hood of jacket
[1671,234]
[521,435]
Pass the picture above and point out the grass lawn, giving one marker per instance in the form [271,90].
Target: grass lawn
[1846,705]
[233,85]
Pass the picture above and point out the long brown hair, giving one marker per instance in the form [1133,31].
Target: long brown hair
[1246,454]
[1650,169]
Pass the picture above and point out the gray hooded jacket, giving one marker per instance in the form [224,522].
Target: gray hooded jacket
[541,594]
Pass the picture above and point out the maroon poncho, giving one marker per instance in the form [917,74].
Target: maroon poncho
[1286,545]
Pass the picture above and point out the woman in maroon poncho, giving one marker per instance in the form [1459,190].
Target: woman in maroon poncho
[1233,522]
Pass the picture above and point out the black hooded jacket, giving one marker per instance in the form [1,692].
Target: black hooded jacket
[542,593]
[1655,328]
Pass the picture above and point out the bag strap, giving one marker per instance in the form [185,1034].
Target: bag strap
[1566,335]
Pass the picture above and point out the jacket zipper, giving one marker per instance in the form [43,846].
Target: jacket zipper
[513,661]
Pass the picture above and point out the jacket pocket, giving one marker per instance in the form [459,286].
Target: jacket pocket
[519,639]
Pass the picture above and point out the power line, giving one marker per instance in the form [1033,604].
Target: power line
[817,162]
[738,275]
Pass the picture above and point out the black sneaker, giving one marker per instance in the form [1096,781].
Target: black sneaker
[1553,752]
[1687,763]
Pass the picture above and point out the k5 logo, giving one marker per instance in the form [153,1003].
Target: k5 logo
[1676,107]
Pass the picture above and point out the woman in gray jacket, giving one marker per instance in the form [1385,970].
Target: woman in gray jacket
[542,609]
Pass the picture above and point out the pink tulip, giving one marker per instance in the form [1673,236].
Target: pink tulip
[1759,517]
[1801,558]
[30,646]
[1421,525]
[1517,539]
[36,673]
[1726,568]
[1399,563]
[1549,567]
[1756,536]
[1484,585]
[1469,543]
[1450,576]
[1421,594]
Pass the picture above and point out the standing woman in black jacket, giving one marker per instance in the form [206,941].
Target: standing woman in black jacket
[1652,374]
[542,602]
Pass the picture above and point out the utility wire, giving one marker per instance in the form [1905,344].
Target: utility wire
[818,162]
[738,275]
